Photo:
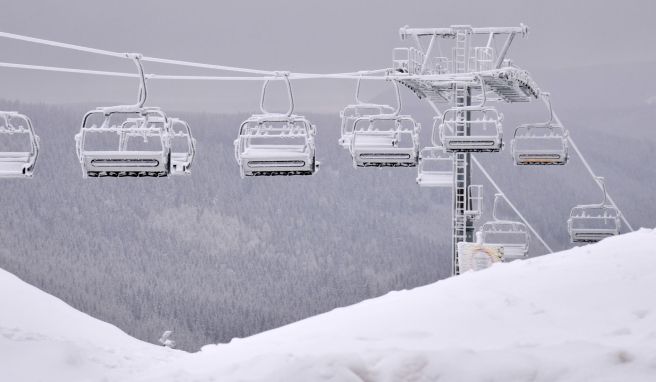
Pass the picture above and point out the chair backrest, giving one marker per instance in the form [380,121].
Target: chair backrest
[124,129]
[484,121]
[17,134]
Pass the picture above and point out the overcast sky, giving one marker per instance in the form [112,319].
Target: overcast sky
[296,35]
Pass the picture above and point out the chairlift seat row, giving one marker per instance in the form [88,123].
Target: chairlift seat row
[20,148]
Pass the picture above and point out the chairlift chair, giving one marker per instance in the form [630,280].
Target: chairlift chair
[126,141]
[474,201]
[589,223]
[435,168]
[386,140]
[19,145]
[511,236]
[540,143]
[357,110]
[484,123]
[183,147]
[276,144]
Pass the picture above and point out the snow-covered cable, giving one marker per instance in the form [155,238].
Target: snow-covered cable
[496,186]
[104,52]
[151,76]
[131,75]
[86,49]
[69,70]
[57,44]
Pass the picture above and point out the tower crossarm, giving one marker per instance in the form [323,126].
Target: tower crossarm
[510,84]
[424,67]
[450,32]
[484,54]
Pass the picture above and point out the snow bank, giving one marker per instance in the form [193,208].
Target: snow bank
[584,314]
[44,339]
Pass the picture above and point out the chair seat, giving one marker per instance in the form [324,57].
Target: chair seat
[428,179]
[377,140]
[11,156]
[180,157]
[12,168]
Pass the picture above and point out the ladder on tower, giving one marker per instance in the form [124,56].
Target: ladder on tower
[462,226]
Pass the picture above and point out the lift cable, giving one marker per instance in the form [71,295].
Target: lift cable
[374,74]
[176,62]
[592,173]
[152,76]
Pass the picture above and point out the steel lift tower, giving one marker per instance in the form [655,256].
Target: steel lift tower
[477,73]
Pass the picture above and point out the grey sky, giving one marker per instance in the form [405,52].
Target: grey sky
[296,35]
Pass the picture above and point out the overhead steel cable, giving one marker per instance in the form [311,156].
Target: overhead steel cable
[592,173]
[167,61]
[153,76]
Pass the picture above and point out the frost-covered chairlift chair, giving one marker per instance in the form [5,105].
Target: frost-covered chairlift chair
[19,145]
[276,144]
[133,140]
[183,147]
[127,140]
[511,236]
[386,140]
[106,149]
[540,143]
[357,110]
[435,167]
[484,122]
[594,222]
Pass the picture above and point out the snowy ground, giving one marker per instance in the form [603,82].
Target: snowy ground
[588,314]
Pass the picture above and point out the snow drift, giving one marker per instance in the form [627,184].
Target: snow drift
[584,314]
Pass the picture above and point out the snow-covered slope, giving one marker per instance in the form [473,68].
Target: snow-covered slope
[584,314]
[44,339]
